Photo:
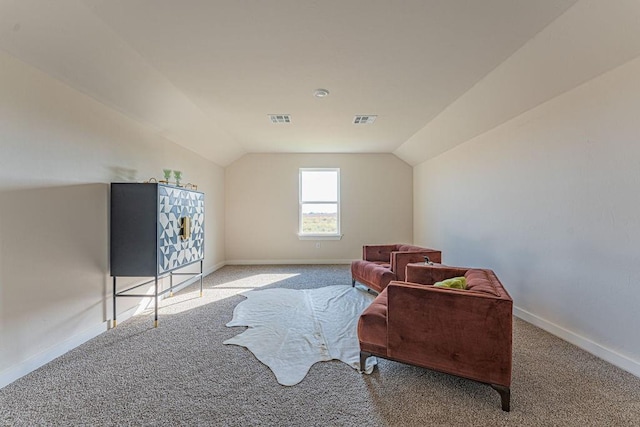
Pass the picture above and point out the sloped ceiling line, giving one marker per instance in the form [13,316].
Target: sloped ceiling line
[205,74]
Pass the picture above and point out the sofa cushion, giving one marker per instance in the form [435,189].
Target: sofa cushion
[453,283]
[372,326]
[479,281]
[382,264]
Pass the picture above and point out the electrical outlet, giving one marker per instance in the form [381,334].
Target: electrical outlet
[318,245]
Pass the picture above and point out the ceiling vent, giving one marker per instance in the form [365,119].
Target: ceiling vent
[280,118]
[364,120]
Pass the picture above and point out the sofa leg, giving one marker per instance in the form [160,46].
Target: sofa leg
[363,360]
[505,395]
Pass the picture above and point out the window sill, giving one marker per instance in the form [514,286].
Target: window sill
[320,236]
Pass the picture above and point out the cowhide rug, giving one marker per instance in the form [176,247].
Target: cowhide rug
[289,330]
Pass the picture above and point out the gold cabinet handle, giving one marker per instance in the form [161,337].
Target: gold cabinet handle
[185,228]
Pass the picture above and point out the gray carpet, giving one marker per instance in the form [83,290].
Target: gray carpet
[182,374]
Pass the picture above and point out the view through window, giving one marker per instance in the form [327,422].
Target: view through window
[320,202]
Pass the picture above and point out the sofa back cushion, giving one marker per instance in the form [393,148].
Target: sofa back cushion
[378,253]
[410,248]
[479,281]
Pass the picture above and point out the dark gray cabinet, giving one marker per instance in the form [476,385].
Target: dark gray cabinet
[155,229]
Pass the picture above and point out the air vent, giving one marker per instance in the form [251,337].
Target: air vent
[364,120]
[280,118]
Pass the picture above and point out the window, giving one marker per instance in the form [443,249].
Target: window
[319,203]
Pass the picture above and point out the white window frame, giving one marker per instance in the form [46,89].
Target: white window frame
[318,236]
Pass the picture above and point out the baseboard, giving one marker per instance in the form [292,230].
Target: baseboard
[217,266]
[287,261]
[608,355]
[34,362]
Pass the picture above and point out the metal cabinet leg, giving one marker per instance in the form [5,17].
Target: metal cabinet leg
[155,320]
[201,278]
[115,322]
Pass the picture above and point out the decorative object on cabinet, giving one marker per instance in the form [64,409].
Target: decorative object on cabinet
[178,176]
[167,175]
[155,230]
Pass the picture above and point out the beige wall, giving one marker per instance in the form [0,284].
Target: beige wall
[58,151]
[262,206]
[550,201]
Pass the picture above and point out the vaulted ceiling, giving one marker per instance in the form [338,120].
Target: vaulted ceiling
[206,74]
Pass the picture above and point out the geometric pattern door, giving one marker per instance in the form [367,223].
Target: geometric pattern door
[173,205]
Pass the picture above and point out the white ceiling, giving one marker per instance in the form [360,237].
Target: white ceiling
[205,74]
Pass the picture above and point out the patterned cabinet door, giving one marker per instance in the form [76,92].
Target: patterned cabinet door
[173,205]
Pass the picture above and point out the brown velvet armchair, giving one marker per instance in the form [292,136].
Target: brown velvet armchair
[467,333]
[380,264]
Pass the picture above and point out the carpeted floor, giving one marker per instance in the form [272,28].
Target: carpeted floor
[182,374]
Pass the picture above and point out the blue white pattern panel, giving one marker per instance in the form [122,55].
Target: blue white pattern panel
[173,205]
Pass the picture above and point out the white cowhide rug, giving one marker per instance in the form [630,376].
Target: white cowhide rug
[289,330]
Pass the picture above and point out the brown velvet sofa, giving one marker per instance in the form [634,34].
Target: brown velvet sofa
[467,333]
[380,264]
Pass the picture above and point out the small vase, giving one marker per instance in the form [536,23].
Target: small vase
[178,176]
[167,175]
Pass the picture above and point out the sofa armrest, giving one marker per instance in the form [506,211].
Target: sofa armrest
[399,260]
[380,253]
[454,331]
[372,275]
[430,274]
